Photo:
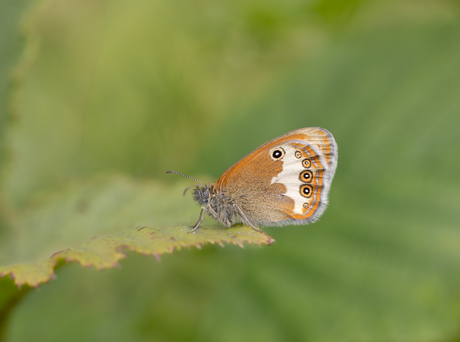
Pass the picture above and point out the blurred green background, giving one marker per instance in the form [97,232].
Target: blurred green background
[92,89]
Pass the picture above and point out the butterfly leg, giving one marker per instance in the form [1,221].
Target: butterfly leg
[210,210]
[245,218]
[195,227]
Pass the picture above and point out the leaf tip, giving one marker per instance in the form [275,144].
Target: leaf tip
[270,240]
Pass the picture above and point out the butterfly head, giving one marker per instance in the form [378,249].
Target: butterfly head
[202,195]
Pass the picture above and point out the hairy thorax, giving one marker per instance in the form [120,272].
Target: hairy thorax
[217,204]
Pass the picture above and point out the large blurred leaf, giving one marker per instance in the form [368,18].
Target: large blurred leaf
[103,210]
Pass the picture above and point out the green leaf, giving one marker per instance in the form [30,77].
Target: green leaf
[101,211]
[105,252]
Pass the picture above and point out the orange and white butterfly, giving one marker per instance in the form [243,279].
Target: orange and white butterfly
[285,181]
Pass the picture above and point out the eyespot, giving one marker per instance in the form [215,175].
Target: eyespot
[306,163]
[298,154]
[306,176]
[306,190]
[305,205]
[277,153]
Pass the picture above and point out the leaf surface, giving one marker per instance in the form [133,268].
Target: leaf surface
[60,223]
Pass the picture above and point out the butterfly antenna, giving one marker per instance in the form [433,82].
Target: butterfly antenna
[181,174]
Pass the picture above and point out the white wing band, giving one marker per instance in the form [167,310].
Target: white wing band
[292,167]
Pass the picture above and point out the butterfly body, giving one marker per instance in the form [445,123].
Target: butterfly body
[284,181]
[223,205]
[217,204]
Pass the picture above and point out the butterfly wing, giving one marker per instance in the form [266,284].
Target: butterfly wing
[286,180]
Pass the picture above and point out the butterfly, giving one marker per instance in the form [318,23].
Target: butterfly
[283,182]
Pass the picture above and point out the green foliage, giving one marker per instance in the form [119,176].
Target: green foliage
[113,94]
[102,211]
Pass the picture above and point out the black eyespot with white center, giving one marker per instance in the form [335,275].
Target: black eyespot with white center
[277,153]
[306,190]
[306,176]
